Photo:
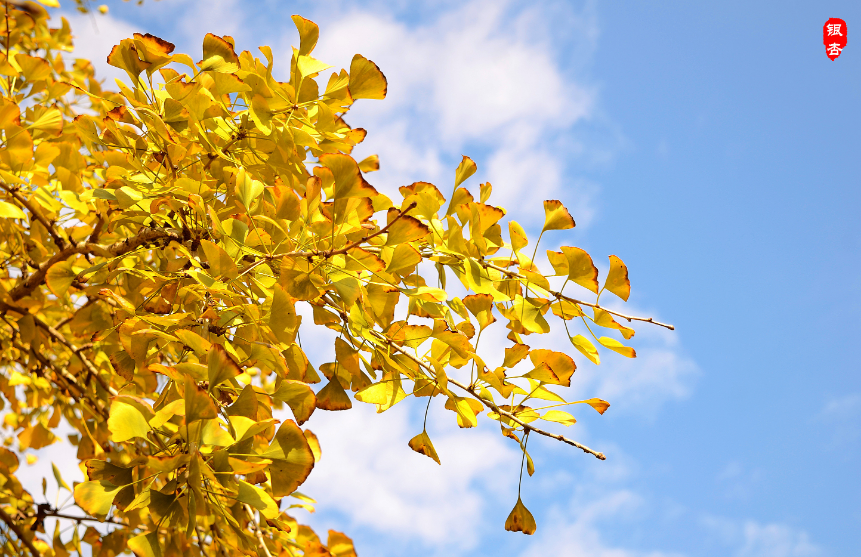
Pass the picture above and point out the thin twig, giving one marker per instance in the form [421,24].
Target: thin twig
[116,249]
[559,295]
[20,533]
[36,213]
[59,337]
[257,531]
[500,411]
[345,249]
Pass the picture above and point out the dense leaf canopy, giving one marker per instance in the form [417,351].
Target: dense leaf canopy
[158,245]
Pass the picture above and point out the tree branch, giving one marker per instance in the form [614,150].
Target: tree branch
[257,531]
[20,533]
[403,213]
[500,411]
[36,213]
[116,249]
[59,337]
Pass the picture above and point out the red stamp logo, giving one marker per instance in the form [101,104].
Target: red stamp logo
[834,37]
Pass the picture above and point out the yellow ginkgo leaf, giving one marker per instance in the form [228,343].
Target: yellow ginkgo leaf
[561,364]
[421,444]
[465,169]
[145,545]
[333,397]
[556,216]
[218,55]
[314,444]
[292,459]
[220,263]
[299,397]
[257,498]
[518,236]
[585,346]
[127,420]
[309,32]
[559,417]
[617,279]
[125,57]
[9,211]
[310,66]
[617,346]
[370,164]
[96,497]
[366,79]
[581,270]
[520,519]
[406,229]
[220,366]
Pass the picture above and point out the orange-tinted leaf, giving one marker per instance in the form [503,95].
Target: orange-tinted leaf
[617,279]
[370,164]
[125,57]
[596,403]
[556,216]
[561,364]
[421,444]
[292,459]
[333,397]
[405,229]
[220,366]
[581,270]
[299,397]
[218,55]
[366,79]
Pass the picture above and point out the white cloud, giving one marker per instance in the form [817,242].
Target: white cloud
[474,81]
[842,407]
[369,475]
[775,540]
[94,37]
[577,532]
[750,538]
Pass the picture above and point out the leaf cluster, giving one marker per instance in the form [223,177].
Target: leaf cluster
[161,246]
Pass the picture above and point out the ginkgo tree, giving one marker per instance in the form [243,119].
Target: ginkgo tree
[160,245]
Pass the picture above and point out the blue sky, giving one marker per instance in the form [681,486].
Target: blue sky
[707,144]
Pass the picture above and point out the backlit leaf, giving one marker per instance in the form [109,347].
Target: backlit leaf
[218,55]
[309,32]
[556,216]
[465,169]
[292,459]
[617,279]
[617,346]
[257,498]
[220,366]
[366,79]
[560,417]
[127,421]
[96,497]
[581,270]
[299,397]
[585,346]
[9,211]
[145,545]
